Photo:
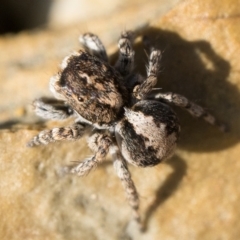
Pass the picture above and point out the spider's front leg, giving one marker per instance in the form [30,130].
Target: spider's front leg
[194,109]
[123,173]
[93,44]
[140,91]
[45,137]
[125,60]
[51,108]
[100,144]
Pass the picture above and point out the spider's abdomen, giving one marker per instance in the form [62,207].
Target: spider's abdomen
[91,87]
[148,134]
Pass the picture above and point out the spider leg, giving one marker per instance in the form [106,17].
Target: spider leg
[50,108]
[194,109]
[125,60]
[146,86]
[45,137]
[101,146]
[93,44]
[123,173]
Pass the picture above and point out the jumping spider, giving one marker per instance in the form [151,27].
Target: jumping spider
[117,108]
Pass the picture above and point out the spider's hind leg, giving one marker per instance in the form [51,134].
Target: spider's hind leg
[93,44]
[194,109]
[123,173]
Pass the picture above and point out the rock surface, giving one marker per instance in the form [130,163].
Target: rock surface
[194,195]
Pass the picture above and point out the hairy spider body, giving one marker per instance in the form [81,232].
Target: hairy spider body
[130,122]
[148,133]
[93,88]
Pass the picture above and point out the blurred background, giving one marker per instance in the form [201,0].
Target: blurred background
[17,16]
[194,195]
[38,34]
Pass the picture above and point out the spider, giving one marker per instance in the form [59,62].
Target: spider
[117,108]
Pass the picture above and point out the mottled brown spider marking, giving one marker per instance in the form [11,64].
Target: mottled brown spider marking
[93,88]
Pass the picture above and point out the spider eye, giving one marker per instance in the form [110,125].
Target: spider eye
[80,99]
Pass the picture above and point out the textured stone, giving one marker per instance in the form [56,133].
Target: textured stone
[194,195]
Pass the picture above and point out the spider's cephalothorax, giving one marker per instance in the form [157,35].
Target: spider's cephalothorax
[130,121]
[91,87]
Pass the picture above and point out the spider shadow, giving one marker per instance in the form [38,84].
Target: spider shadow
[195,70]
[166,189]
[184,71]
